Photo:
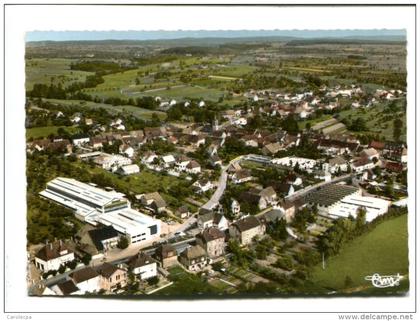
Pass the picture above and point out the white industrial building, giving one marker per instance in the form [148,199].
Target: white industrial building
[338,200]
[304,163]
[349,206]
[94,205]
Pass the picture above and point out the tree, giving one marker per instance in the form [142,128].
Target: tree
[348,282]
[86,259]
[62,269]
[72,264]
[361,217]
[277,230]
[153,281]
[122,243]
[397,129]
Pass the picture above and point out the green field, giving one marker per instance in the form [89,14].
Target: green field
[384,250]
[373,117]
[52,70]
[43,132]
[374,120]
[133,110]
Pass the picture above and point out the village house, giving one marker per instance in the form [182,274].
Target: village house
[149,157]
[183,212]
[215,160]
[212,240]
[166,255]
[111,162]
[235,207]
[103,238]
[271,149]
[128,169]
[208,218]
[262,197]
[126,150]
[336,147]
[64,288]
[370,153]
[245,229]
[52,255]
[202,185]
[111,277]
[233,168]
[97,142]
[194,258]
[168,160]
[362,164]
[86,279]
[152,133]
[250,140]
[287,208]
[241,176]
[80,141]
[193,167]
[336,164]
[143,266]
[182,162]
[153,201]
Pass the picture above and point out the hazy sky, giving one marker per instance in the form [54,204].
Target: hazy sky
[150,35]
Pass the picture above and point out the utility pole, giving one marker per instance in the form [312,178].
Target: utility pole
[323,261]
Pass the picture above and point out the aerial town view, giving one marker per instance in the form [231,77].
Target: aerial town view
[226,167]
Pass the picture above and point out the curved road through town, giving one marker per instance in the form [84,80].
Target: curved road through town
[221,186]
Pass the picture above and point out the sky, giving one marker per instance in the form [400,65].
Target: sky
[153,35]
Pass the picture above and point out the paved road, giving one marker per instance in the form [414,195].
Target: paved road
[184,226]
[221,186]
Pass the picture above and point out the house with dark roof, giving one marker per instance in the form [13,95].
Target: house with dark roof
[208,218]
[167,255]
[262,197]
[111,277]
[362,164]
[245,229]
[52,255]
[143,266]
[272,148]
[68,287]
[193,167]
[212,240]
[104,238]
[153,201]
[194,258]
[241,176]
[287,208]
[86,279]
[202,185]
[183,212]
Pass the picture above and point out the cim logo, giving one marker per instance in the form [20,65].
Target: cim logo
[384,281]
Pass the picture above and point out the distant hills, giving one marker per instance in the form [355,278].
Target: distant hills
[215,41]
[209,37]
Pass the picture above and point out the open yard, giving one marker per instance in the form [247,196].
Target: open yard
[377,120]
[384,250]
[43,132]
[127,109]
[49,70]
[186,285]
